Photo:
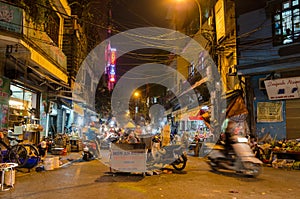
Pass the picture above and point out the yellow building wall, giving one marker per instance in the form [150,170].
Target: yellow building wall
[182,68]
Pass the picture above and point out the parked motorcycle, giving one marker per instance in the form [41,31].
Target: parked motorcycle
[89,150]
[173,155]
[107,139]
[239,158]
[87,155]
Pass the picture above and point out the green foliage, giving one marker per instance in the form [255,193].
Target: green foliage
[37,9]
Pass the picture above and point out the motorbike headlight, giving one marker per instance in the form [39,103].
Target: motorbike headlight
[241,139]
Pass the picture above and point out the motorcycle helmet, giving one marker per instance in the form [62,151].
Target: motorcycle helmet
[85,149]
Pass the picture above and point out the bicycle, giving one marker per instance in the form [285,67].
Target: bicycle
[15,153]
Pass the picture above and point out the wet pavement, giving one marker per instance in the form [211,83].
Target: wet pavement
[63,161]
[93,179]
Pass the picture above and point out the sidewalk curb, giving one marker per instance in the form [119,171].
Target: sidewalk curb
[70,162]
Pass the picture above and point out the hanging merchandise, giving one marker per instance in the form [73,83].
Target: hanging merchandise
[4,98]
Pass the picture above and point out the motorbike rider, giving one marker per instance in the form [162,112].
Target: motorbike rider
[230,128]
[92,135]
[87,155]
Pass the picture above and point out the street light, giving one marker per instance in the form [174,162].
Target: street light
[199,10]
[136,96]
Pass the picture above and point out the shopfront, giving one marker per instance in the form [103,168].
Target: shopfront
[285,91]
[23,114]
[276,105]
[191,121]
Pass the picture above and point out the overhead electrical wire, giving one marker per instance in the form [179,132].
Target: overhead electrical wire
[241,45]
[245,34]
[50,43]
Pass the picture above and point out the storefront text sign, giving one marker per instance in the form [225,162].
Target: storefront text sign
[10,18]
[269,112]
[284,88]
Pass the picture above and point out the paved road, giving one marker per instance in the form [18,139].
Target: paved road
[93,180]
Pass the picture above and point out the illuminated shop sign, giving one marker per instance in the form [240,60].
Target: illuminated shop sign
[112,68]
[283,88]
[113,56]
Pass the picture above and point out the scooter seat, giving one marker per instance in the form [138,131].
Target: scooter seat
[218,147]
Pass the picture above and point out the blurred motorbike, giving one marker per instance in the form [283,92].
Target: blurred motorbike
[108,138]
[239,158]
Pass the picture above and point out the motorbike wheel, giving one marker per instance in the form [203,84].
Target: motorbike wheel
[18,154]
[213,166]
[253,170]
[180,163]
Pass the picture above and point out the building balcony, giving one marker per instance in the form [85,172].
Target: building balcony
[30,44]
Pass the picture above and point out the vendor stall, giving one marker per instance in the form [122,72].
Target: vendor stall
[280,153]
[76,144]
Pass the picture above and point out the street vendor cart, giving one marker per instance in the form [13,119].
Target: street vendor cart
[129,158]
[76,144]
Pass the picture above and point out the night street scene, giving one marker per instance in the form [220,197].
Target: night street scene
[149,99]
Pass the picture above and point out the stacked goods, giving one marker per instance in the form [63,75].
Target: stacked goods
[279,153]
[283,163]
[288,152]
[287,146]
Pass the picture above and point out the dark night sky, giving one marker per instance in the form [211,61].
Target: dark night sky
[129,14]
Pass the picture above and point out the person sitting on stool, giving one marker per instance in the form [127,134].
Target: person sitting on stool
[43,148]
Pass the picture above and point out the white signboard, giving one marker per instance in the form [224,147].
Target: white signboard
[220,19]
[284,88]
[129,160]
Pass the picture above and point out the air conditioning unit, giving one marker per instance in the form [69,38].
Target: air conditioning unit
[261,84]
[53,108]
[232,71]
[210,21]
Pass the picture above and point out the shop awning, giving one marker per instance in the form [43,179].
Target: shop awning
[196,117]
[198,83]
[45,64]
[168,112]
[189,114]
[269,66]
[78,109]
[129,125]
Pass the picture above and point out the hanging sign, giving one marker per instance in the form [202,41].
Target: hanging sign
[11,18]
[284,88]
